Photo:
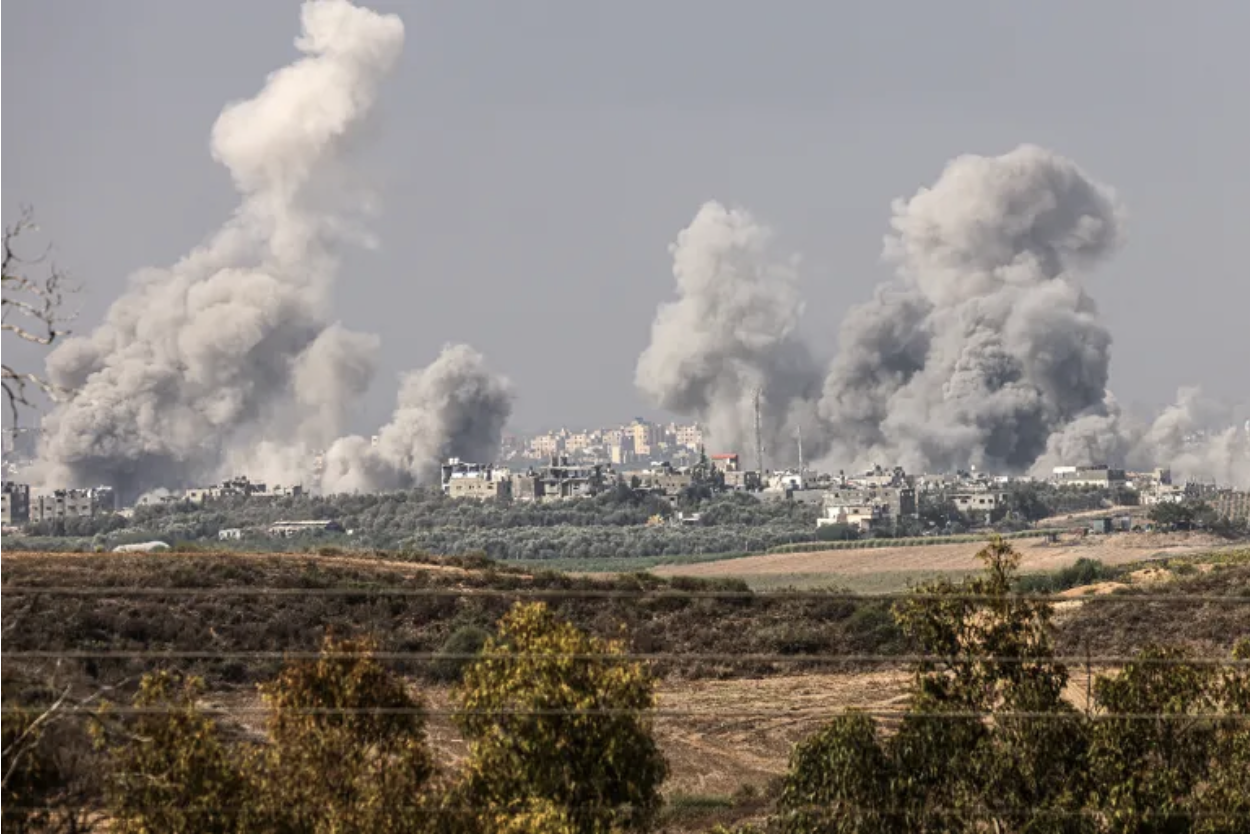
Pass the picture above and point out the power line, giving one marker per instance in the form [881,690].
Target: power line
[623,594]
[793,713]
[623,658]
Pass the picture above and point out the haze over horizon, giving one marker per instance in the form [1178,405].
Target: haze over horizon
[532,166]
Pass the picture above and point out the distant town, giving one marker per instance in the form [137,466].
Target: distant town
[670,462]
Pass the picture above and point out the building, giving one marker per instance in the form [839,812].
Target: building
[467,480]
[577,442]
[230,534]
[546,445]
[240,487]
[622,450]
[67,503]
[646,436]
[665,481]
[558,480]
[1233,505]
[898,502]
[981,504]
[495,483]
[863,516]
[16,503]
[726,462]
[689,436]
[1093,476]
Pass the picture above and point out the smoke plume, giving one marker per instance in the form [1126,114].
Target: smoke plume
[215,359]
[731,331]
[453,407]
[986,344]
[984,350]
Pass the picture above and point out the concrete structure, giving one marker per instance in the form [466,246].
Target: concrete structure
[497,485]
[1093,476]
[862,516]
[982,504]
[1233,505]
[467,480]
[665,481]
[727,462]
[240,487]
[545,446]
[645,435]
[561,480]
[230,534]
[67,503]
[899,502]
[689,436]
[16,507]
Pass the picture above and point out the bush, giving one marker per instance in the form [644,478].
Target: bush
[587,748]
[465,640]
[355,771]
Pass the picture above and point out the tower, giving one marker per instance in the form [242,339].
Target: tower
[759,436]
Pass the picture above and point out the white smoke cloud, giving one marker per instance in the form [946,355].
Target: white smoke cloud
[732,330]
[454,407]
[213,359]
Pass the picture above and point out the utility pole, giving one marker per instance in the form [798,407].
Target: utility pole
[759,437]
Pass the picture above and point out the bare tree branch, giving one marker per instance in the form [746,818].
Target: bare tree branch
[33,310]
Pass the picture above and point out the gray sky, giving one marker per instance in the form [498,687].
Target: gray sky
[535,159]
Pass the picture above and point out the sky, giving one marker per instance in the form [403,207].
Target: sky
[534,160]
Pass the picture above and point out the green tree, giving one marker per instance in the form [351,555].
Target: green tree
[972,751]
[557,716]
[1149,756]
[1224,799]
[840,782]
[347,749]
[170,770]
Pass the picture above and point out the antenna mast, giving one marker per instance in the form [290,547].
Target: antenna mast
[759,437]
[802,481]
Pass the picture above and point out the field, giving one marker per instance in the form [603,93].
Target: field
[887,569]
[727,719]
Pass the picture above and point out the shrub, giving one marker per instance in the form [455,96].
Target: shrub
[465,640]
[572,731]
[172,772]
[334,764]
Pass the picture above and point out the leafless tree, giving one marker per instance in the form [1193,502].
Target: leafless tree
[34,310]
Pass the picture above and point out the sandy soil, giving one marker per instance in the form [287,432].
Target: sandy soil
[1038,556]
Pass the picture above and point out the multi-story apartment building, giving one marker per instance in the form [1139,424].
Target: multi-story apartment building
[689,436]
[546,445]
[65,503]
[645,435]
[16,503]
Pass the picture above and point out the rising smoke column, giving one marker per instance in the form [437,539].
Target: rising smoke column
[453,407]
[732,329]
[986,344]
[233,346]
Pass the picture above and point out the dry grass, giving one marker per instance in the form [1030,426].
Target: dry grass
[889,568]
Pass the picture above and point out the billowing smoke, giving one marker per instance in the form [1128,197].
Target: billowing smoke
[986,344]
[230,356]
[453,407]
[731,331]
[985,350]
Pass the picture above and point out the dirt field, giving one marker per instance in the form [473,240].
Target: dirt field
[882,565]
